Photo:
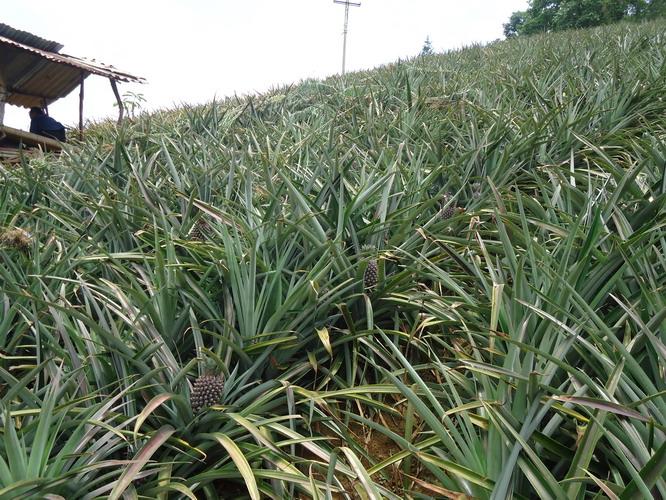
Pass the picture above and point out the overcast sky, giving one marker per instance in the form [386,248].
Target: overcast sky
[191,51]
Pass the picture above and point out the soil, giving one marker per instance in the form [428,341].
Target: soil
[378,448]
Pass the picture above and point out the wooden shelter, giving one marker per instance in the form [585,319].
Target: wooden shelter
[33,73]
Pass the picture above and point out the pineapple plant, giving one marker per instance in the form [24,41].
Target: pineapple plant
[290,304]
[206,391]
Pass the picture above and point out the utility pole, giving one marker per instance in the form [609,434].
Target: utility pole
[346,3]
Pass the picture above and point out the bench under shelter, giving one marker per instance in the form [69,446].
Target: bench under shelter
[34,73]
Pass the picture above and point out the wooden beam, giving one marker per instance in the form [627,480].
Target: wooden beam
[81,107]
[118,100]
[11,91]
[30,139]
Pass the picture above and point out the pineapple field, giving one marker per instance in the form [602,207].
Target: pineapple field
[442,278]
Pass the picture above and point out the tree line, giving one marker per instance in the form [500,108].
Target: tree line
[556,15]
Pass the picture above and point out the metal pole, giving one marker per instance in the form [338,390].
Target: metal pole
[344,38]
[346,3]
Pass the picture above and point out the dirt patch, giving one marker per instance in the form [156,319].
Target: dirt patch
[377,447]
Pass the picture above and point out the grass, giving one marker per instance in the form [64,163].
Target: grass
[512,348]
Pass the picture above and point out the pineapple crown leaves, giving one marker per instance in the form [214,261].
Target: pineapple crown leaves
[447,198]
[210,363]
[210,367]
[368,249]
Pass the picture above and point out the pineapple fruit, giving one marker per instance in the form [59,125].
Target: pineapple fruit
[446,212]
[199,231]
[206,391]
[370,275]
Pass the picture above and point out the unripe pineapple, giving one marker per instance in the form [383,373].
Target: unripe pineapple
[199,230]
[370,275]
[476,190]
[206,391]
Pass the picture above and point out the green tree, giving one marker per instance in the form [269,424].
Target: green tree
[541,16]
[427,47]
[646,9]
[556,15]
[515,24]
[588,13]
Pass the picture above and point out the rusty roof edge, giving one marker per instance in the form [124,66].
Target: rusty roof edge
[29,39]
[103,67]
[88,66]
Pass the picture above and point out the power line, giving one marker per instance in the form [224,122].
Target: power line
[346,3]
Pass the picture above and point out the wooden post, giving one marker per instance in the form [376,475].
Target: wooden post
[3,96]
[81,107]
[118,99]
[2,108]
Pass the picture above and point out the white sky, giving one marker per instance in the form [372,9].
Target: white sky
[191,51]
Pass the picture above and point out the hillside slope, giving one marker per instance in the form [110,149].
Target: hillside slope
[440,278]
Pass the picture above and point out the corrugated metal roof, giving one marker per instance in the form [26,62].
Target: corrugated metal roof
[29,39]
[37,77]
[76,62]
